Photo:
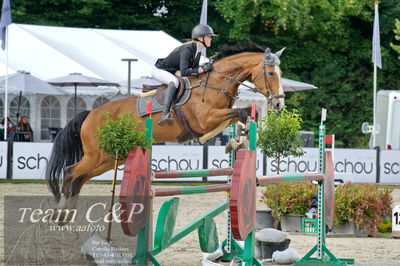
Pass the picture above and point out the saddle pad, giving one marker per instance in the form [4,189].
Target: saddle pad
[158,106]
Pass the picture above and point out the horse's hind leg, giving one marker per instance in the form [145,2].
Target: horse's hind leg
[102,168]
[72,174]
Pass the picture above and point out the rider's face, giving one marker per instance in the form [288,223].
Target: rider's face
[207,40]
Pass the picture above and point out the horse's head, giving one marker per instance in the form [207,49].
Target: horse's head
[267,78]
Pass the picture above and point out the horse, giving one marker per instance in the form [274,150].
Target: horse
[77,156]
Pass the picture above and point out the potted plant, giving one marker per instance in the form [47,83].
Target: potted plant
[278,137]
[361,207]
[293,203]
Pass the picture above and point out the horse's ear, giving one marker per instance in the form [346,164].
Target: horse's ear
[267,56]
[279,53]
[267,52]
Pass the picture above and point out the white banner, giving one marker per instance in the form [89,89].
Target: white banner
[307,163]
[3,159]
[217,158]
[109,175]
[390,166]
[30,159]
[356,165]
[177,158]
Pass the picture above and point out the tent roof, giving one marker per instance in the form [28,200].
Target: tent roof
[48,52]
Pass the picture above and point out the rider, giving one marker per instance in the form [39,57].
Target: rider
[184,58]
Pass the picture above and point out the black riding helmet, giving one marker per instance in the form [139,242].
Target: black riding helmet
[202,30]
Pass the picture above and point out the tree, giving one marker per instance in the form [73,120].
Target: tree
[329,45]
[397,36]
[279,136]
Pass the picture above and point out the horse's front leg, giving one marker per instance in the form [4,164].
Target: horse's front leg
[215,117]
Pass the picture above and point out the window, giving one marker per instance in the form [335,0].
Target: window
[100,101]
[50,112]
[24,108]
[80,106]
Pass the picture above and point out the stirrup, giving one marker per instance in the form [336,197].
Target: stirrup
[165,119]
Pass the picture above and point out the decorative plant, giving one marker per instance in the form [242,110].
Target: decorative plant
[363,204]
[117,138]
[279,136]
[294,198]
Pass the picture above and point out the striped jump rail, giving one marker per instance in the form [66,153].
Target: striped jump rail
[193,173]
[273,179]
[162,192]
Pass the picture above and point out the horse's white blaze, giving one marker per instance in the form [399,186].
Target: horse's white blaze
[280,101]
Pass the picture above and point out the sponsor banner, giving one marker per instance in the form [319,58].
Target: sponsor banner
[390,166]
[356,165]
[3,159]
[177,158]
[30,159]
[217,158]
[308,163]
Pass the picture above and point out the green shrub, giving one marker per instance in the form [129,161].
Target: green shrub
[294,198]
[384,226]
[362,204]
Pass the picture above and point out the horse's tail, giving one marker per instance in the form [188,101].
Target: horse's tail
[67,150]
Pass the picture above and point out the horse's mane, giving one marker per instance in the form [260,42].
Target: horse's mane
[238,48]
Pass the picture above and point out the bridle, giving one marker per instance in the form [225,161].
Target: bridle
[232,79]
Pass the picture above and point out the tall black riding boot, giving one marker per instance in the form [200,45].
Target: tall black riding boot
[168,97]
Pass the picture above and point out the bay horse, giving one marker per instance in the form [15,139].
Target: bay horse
[76,154]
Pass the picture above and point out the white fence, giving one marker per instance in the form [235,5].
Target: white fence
[356,165]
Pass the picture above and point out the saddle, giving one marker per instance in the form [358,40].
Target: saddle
[156,93]
[159,89]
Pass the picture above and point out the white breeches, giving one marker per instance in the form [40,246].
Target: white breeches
[164,77]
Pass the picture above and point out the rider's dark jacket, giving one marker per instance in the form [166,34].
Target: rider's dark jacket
[182,59]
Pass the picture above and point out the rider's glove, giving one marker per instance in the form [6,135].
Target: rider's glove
[207,67]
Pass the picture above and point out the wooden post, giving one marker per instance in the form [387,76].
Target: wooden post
[108,239]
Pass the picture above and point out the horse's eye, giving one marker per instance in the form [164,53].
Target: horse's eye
[270,73]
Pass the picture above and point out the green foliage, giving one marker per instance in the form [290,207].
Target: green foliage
[362,204]
[397,36]
[384,226]
[279,135]
[294,198]
[329,45]
[118,137]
